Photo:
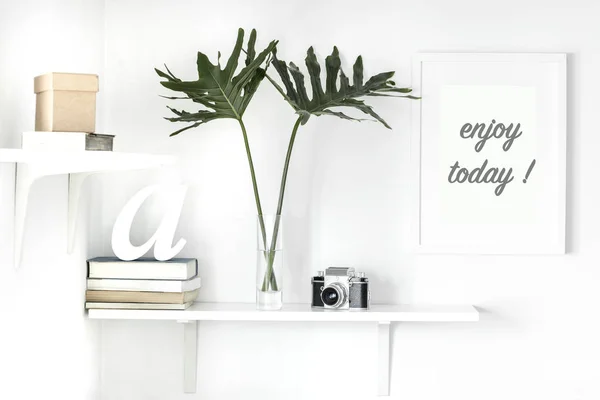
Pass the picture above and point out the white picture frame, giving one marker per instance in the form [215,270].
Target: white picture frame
[457,208]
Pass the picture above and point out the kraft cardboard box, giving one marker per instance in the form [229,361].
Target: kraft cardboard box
[65,102]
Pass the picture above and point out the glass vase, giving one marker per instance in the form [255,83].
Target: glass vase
[269,262]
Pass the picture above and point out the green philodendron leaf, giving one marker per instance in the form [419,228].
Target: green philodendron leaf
[334,95]
[222,93]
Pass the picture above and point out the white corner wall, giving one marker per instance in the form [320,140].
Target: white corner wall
[48,348]
[347,203]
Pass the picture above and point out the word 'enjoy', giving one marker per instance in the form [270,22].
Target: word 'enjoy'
[469,131]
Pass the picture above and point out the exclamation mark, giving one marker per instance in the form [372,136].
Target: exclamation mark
[529,170]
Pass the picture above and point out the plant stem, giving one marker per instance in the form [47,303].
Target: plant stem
[273,245]
[254,184]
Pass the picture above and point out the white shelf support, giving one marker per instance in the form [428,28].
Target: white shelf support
[27,174]
[383,371]
[75,184]
[25,177]
[381,314]
[190,355]
[33,165]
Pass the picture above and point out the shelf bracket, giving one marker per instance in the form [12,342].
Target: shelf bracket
[75,184]
[25,176]
[33,165]
[383,372]
[190,355]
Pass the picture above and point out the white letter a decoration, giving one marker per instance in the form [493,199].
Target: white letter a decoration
[162,238]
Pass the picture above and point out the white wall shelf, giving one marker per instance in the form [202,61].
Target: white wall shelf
[383,315]
[33,165]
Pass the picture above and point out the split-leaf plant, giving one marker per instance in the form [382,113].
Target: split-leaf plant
[226,95]
[323,101]
[223,94]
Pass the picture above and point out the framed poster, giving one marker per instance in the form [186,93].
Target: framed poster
[489,153]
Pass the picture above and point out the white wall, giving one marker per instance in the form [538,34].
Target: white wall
[48,348]
[347,202]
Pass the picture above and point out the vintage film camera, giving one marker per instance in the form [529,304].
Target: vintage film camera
[340,288]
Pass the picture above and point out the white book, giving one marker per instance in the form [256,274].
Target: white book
[144,268]
[137,306]
[144,285]
[65,141]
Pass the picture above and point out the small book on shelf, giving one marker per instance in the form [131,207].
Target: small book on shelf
[137,306]
[66,141]
[179,269]
[120,296]
[145,285]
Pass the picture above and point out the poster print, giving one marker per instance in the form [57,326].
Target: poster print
[489,153]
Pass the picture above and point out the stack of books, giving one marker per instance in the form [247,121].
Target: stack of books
[143,284]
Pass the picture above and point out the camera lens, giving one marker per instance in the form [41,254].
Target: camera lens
[330,296]
[334,295]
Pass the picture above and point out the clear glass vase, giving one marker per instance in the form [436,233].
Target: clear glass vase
[269,262]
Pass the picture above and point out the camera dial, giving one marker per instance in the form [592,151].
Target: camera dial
[334,295]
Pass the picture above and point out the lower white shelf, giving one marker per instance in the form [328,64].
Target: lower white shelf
[382,314]
[300,312]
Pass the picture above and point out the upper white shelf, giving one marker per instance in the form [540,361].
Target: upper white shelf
[33,165]
[10,155]
[84,161]
[299,312]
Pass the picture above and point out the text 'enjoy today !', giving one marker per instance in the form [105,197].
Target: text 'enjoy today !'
[485,173]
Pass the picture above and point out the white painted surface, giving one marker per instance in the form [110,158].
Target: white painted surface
[348,202]
[299,312]
[56,354]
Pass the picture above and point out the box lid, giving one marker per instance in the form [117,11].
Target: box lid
[65,81]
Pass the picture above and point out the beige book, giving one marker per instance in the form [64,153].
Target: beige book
[144,285]
[119,296]
[137,306]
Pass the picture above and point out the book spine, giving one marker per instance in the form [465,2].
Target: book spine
[135,285]
[136,306]
[121,296]
[144,285]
